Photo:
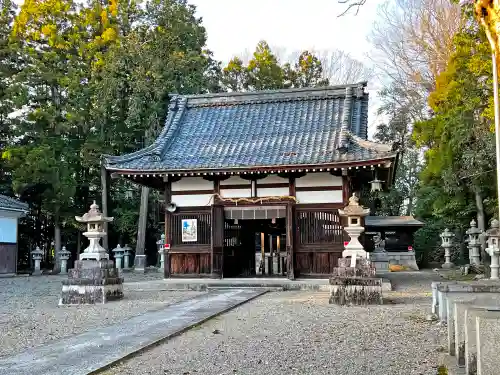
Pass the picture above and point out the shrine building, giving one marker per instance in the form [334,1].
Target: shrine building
[253,181]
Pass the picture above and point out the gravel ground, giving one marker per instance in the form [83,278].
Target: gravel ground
[300,333]
[30,316]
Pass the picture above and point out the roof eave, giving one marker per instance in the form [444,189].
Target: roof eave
[342,164]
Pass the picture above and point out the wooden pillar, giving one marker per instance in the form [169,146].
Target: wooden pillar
[292,187]
[346,188]
[168,224]
[290,241]
[104,203]
[217,256]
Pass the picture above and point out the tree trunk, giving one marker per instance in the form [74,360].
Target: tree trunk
[481,224]
[409,207]
[57,243]
[140,258]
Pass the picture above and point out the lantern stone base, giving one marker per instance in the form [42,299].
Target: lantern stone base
[92,282]
[403,258]
[380,260]
[355,285]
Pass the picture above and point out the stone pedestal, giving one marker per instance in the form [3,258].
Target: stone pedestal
[92,282]
[64,256]
[355,285]
[37,256]
[380,260]
[162,258]
[139,262]
[258,261]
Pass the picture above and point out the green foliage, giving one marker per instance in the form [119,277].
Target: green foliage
[458,180]
[91,78]
[264,72]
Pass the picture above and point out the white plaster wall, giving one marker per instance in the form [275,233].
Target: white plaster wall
[235,180]
[8,229]
[331,196]
[236,193]
[272,179]
[272,192]
[192,183]
[192,200]
[318,179]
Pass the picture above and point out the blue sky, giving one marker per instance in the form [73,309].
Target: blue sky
[236,25]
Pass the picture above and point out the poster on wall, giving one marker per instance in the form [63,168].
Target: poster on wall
[189,230]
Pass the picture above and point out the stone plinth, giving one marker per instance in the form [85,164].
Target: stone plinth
[355,285]
[355,291]
[92,282]
[380,260]
[403,258]
[487,336]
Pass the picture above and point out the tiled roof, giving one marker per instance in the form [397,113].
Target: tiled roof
[11,204]
[392,221]
[257,129]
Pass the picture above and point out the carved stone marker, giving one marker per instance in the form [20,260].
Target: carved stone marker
[94,279]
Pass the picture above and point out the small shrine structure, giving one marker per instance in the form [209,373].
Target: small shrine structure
[10,211]
[253,181]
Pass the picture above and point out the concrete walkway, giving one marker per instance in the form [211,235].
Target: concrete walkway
[97,349]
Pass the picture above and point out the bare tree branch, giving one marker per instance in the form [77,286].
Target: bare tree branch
[350,5]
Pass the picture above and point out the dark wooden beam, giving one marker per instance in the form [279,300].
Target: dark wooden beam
[292,187]
[168,223]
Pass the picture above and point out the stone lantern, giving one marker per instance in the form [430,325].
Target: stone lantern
[64,255]
[446,238]
[354,213]
[127,253]
[161,250]
[118,253]
[94,278]
[95,231]
[493,248]
[474,244]
[37,256]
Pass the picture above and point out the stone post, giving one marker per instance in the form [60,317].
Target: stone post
[474,244]
[127,253]
[118,253]
[447,243]
[37,256]
[493,235]
[64,256]
[161,251]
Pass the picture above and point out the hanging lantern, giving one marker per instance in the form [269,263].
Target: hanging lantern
[376,185]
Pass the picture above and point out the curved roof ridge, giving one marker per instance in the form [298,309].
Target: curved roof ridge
[161,143]
[370,145]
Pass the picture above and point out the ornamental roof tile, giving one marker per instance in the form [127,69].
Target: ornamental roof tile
[314,126]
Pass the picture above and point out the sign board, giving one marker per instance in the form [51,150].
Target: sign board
[167,246]
[189,230]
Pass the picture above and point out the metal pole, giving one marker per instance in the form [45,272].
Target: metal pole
[497,123]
